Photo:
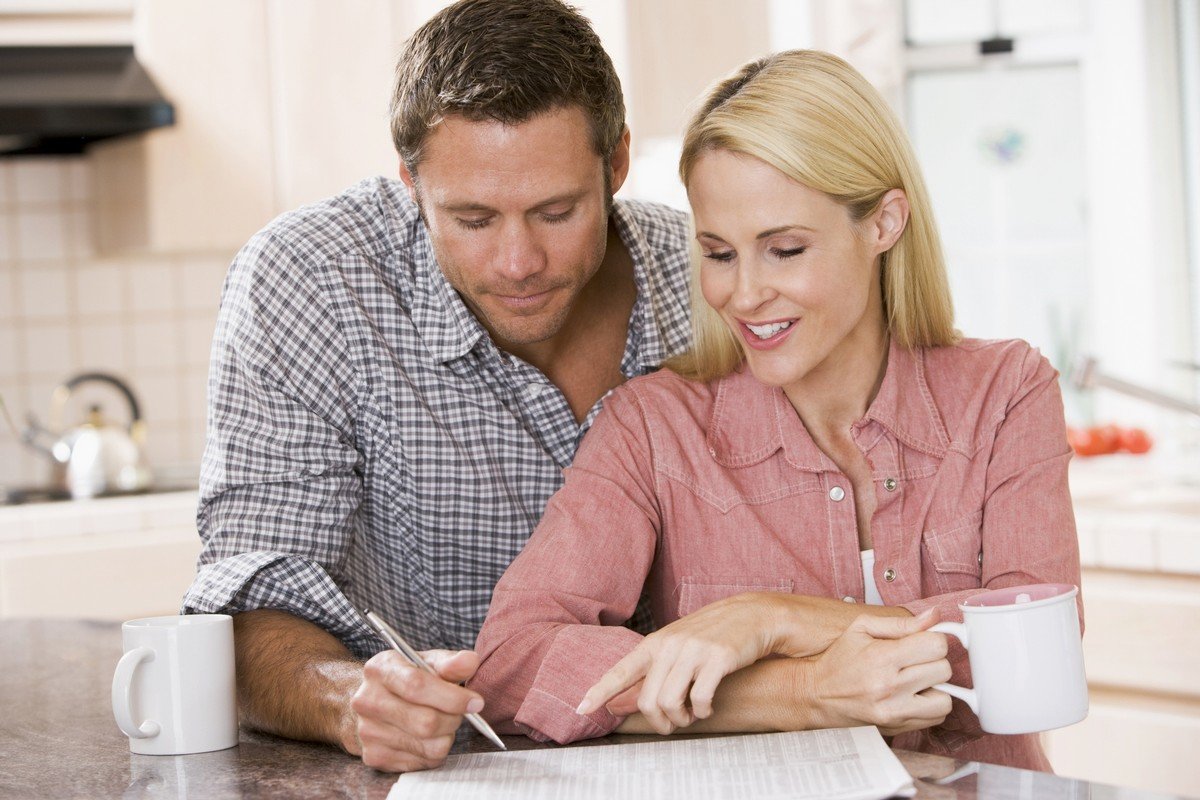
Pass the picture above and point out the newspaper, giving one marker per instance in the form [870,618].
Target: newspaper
[835,764]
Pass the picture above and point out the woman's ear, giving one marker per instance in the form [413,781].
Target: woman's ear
[889,219]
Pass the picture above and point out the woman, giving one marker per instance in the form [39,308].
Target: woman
[829,471]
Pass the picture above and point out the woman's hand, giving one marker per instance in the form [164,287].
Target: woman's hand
[680,665]
[880,672]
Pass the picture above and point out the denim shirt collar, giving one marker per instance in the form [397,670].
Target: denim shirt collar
[752,421]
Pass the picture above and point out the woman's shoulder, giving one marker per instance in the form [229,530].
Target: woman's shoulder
[664,392]
[978,360]
[984,379]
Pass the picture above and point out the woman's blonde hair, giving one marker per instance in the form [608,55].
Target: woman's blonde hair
[814,118]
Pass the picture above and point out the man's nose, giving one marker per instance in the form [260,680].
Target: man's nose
[519,255]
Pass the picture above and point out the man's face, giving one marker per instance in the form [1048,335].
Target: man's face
[518,216]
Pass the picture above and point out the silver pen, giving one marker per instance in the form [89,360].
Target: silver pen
[397,642]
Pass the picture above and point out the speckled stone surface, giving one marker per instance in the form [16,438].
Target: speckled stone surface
[58,739]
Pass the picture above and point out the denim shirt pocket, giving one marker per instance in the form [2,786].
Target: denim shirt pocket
[955,551]
[697,591]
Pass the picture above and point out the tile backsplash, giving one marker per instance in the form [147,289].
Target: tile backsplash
[65,309]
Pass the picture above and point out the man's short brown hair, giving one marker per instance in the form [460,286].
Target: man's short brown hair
[508,61]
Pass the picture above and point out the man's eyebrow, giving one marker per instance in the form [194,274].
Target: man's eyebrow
[467,207]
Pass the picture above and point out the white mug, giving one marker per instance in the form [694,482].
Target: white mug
[1026,658]
[173,691]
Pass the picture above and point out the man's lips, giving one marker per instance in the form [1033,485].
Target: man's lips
[524,301]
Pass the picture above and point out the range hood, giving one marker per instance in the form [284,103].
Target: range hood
[60,99]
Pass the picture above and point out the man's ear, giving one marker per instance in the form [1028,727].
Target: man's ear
[410,180]
[889,219]
[619,164]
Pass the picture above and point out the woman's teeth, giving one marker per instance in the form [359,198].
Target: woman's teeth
[767,331]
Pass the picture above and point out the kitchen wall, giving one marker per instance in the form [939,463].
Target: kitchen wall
[65,309]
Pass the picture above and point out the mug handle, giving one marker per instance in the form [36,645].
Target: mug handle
[968,696]
[122,694]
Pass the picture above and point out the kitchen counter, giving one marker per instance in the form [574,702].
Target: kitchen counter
[58,739]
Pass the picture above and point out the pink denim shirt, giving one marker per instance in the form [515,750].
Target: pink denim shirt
[696,492]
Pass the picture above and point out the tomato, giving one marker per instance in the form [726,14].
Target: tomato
[1135,440]
[1109,436]
[1086,442]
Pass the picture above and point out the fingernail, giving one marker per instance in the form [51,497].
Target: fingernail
[585,707]
[475,706]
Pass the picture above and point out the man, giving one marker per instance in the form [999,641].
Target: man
[401,373]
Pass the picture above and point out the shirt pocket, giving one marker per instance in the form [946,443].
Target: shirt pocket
[697,591]
[955,553]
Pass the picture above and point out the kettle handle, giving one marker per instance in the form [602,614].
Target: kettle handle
[63,392]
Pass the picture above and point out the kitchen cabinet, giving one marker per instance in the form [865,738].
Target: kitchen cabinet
[109,559]
[1139,542]
[278,103]
[205,183]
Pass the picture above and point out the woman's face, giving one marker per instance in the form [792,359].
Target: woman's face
[796,280]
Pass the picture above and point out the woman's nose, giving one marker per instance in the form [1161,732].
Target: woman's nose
[750,291]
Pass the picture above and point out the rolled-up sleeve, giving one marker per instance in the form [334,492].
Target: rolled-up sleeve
[554,626]
[281,475]
[1028,526]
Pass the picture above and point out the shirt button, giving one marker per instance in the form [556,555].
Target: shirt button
[535,389]
[890,484]
[889,574]
[980,559]
[848,599]
[836,494]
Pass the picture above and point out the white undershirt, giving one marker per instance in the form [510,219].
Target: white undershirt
[868,559]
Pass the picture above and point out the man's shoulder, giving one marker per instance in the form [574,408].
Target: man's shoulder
[370,219]
[662,226]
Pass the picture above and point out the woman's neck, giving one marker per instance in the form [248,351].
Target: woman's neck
[836,394]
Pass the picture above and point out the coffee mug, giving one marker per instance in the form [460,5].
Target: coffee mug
[1026,658]
[173,691]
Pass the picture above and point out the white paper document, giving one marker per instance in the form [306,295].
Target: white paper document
[837,764]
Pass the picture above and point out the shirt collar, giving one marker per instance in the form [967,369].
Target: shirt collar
[440,316]
[751,421]
[648,336]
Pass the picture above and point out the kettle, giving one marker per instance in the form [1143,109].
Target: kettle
[95,457]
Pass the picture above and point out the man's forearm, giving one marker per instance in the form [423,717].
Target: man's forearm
[294,679]
[776,694]
[807,625]
[769,695]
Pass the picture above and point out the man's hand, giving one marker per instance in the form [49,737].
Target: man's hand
[407,717]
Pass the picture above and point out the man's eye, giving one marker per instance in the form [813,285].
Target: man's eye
[724,255]
[473,224]
[555,218]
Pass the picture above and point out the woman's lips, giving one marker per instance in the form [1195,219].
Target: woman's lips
[753,340]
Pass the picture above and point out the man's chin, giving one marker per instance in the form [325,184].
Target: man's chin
[519,330]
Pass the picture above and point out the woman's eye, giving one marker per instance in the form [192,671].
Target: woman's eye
[724,255]
[790,252]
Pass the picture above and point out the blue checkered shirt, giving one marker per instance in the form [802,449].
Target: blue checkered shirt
[368,444]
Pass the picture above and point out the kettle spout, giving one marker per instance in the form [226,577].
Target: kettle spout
[44,441]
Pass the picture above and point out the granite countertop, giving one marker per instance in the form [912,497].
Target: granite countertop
[58,739]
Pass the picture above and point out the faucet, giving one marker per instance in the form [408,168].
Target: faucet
[1086,374]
